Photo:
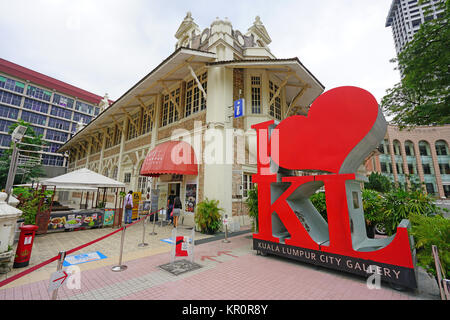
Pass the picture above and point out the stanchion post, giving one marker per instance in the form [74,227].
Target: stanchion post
[153,233]
[120,266]
[143,244]
[62,256]
[226,230]
[226,235]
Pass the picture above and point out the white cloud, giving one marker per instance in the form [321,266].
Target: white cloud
[108,45]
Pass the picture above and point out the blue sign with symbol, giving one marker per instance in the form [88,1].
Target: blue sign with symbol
[239,106]
[83,258]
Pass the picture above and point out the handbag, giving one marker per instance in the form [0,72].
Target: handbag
[128,205]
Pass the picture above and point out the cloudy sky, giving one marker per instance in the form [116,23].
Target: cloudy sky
[109,45]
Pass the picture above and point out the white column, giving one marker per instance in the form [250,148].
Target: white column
[218,175]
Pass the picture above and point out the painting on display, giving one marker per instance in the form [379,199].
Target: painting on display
[191,198]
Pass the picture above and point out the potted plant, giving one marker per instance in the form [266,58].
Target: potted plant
[208,216]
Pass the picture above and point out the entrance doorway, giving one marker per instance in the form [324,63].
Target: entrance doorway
[174,187]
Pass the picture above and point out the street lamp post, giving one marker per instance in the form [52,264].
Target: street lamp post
[16,137]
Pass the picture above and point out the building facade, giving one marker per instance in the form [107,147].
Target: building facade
[53,108]
[422,153]
[190,97]
[406,16]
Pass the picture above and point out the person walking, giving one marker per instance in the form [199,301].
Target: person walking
[128,207]
[177,206]
[170,200]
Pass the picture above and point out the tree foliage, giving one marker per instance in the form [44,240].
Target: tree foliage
[26,170]
[423,95]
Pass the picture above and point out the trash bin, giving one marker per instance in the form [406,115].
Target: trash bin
[26,239]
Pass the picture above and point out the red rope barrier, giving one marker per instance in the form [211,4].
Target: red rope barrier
[42,264]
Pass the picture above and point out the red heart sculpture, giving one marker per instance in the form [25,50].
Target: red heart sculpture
[337,122]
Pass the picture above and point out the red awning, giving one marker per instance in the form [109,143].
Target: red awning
[171,157]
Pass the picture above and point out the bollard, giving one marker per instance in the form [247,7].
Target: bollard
[143,244]
[62,256]
[120,266]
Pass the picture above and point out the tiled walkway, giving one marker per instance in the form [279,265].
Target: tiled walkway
[229,271]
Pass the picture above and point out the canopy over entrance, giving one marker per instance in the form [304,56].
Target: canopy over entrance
[171,157]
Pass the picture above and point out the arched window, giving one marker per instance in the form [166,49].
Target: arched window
[441,148]
[443,156]
[409,148]
[397,148]
[424,148]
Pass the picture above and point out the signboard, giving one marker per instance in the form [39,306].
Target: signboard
[239,107]
[83,258]
[154,199]
[56,280]
[181,246]
[226,221]
[75,219]
[163,193]
[136,201]
[108,218]
[352,119]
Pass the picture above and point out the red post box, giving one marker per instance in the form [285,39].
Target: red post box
[23,252]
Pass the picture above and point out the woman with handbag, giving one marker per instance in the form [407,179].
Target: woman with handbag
[128,207]
[177,206]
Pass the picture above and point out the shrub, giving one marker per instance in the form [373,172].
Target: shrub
[252,204]
[428,231]
[318,201]
[373,203]
[400,203]
[207,216]
[378,182]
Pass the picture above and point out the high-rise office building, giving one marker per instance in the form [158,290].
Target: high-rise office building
[406,16]
[53,108]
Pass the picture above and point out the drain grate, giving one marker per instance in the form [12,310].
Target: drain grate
[180,266]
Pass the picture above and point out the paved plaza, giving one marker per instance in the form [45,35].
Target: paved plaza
[227,271]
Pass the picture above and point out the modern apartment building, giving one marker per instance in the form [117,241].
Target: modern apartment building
[53,108]
[190,96]
[406,16]
[422,152]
